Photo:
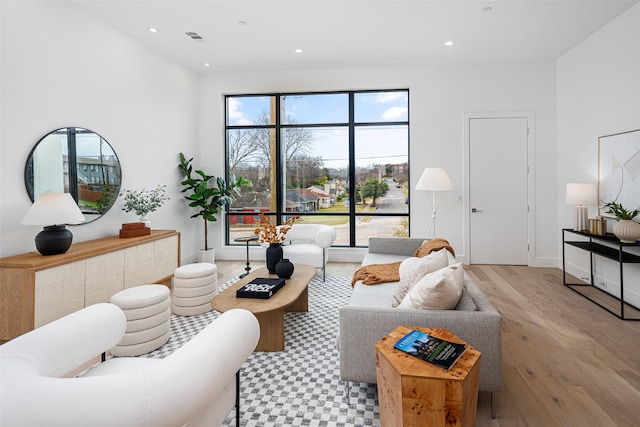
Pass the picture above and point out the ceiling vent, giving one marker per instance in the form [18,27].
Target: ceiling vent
[195,36]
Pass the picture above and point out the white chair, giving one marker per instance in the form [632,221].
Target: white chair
[193,386]
[308,244]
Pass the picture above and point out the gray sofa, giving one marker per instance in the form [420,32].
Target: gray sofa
[369,316]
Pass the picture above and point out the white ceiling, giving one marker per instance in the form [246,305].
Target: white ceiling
[355,32]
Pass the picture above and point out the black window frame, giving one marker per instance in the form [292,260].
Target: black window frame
[277,127]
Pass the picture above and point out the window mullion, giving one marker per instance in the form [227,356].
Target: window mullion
[352,173]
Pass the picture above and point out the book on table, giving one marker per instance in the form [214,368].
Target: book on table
[435,350]
[260,288]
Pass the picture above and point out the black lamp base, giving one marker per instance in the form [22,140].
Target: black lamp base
[54,240]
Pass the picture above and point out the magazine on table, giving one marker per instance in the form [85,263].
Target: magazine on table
[260,288]
[432,349]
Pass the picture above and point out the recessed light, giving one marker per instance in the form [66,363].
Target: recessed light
[448,43]
[298,51]
[487,9]
[242,22]
[206,64]
[153,30]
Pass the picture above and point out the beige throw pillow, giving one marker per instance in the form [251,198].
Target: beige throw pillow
[413,269]
[440,290]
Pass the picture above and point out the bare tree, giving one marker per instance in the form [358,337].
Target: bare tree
[302,170]
[241,147]
[296,140]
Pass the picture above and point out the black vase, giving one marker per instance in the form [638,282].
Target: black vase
[284,268]
[274,254]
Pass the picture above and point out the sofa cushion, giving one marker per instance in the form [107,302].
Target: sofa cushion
[373,258]
[466,302]
[440,290]
[413,269]
[373,296]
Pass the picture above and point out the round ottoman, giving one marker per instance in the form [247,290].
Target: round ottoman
[194,286]
[148,310]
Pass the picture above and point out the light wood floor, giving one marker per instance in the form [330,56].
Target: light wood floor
[566,361]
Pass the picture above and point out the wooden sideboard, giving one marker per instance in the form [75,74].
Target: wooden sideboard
[36,289]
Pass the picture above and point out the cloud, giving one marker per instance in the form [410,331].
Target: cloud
[236,117]
[394,113]
[383,98]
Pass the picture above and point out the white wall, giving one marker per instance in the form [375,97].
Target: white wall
[61,67]
[598,93]
[439,97]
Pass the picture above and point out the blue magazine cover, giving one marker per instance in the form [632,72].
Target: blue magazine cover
[435,350]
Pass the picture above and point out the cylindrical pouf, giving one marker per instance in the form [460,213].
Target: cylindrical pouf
[192,271]
[194,286]
[147,309]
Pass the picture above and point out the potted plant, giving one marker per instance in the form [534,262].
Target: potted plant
[208,195]
[144,202]
[625,229]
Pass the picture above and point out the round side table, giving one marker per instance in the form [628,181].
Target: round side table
[246,240]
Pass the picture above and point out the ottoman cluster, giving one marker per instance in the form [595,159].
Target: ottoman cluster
[194,286]
[148,310]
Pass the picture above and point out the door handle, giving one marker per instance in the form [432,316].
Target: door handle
[474,210]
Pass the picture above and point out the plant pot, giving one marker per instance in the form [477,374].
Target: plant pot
[628,231]
[274,254]
[145,218]
[208,255]
[284,268]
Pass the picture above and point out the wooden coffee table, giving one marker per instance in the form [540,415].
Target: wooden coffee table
[294,296]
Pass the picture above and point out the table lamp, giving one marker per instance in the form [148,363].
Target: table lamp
[434,180]
[53,211]
[581,195]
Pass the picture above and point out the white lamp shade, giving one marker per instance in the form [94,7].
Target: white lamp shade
[435,179]
[581,194]
[53,209]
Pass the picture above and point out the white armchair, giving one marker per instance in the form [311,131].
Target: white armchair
[308,244]
[194,386]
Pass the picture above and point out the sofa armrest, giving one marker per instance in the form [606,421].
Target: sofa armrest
[406,246]
[325,236]
[362,327]
[62,346]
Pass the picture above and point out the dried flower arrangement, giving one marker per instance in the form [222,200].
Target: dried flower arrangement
[271,233]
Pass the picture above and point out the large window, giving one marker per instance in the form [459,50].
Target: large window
[338,158]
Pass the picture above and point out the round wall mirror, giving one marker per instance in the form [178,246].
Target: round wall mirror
[77,161]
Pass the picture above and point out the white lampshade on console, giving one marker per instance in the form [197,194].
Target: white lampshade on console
[434,180]
[581,195]
[53,211]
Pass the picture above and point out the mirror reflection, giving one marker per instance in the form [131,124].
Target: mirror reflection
[77,161]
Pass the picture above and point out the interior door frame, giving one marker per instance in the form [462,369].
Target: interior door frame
[529,115]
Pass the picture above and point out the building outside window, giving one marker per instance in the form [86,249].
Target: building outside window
[337,158]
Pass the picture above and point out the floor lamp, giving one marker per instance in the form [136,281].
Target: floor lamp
[434,180]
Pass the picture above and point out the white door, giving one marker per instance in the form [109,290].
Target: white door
[498,187]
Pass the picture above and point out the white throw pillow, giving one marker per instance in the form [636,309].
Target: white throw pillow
[413,269]
[440,290]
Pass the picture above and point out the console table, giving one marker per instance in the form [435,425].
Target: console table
[607,246]
[36,289]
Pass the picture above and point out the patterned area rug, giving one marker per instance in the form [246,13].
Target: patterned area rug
[300,386]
